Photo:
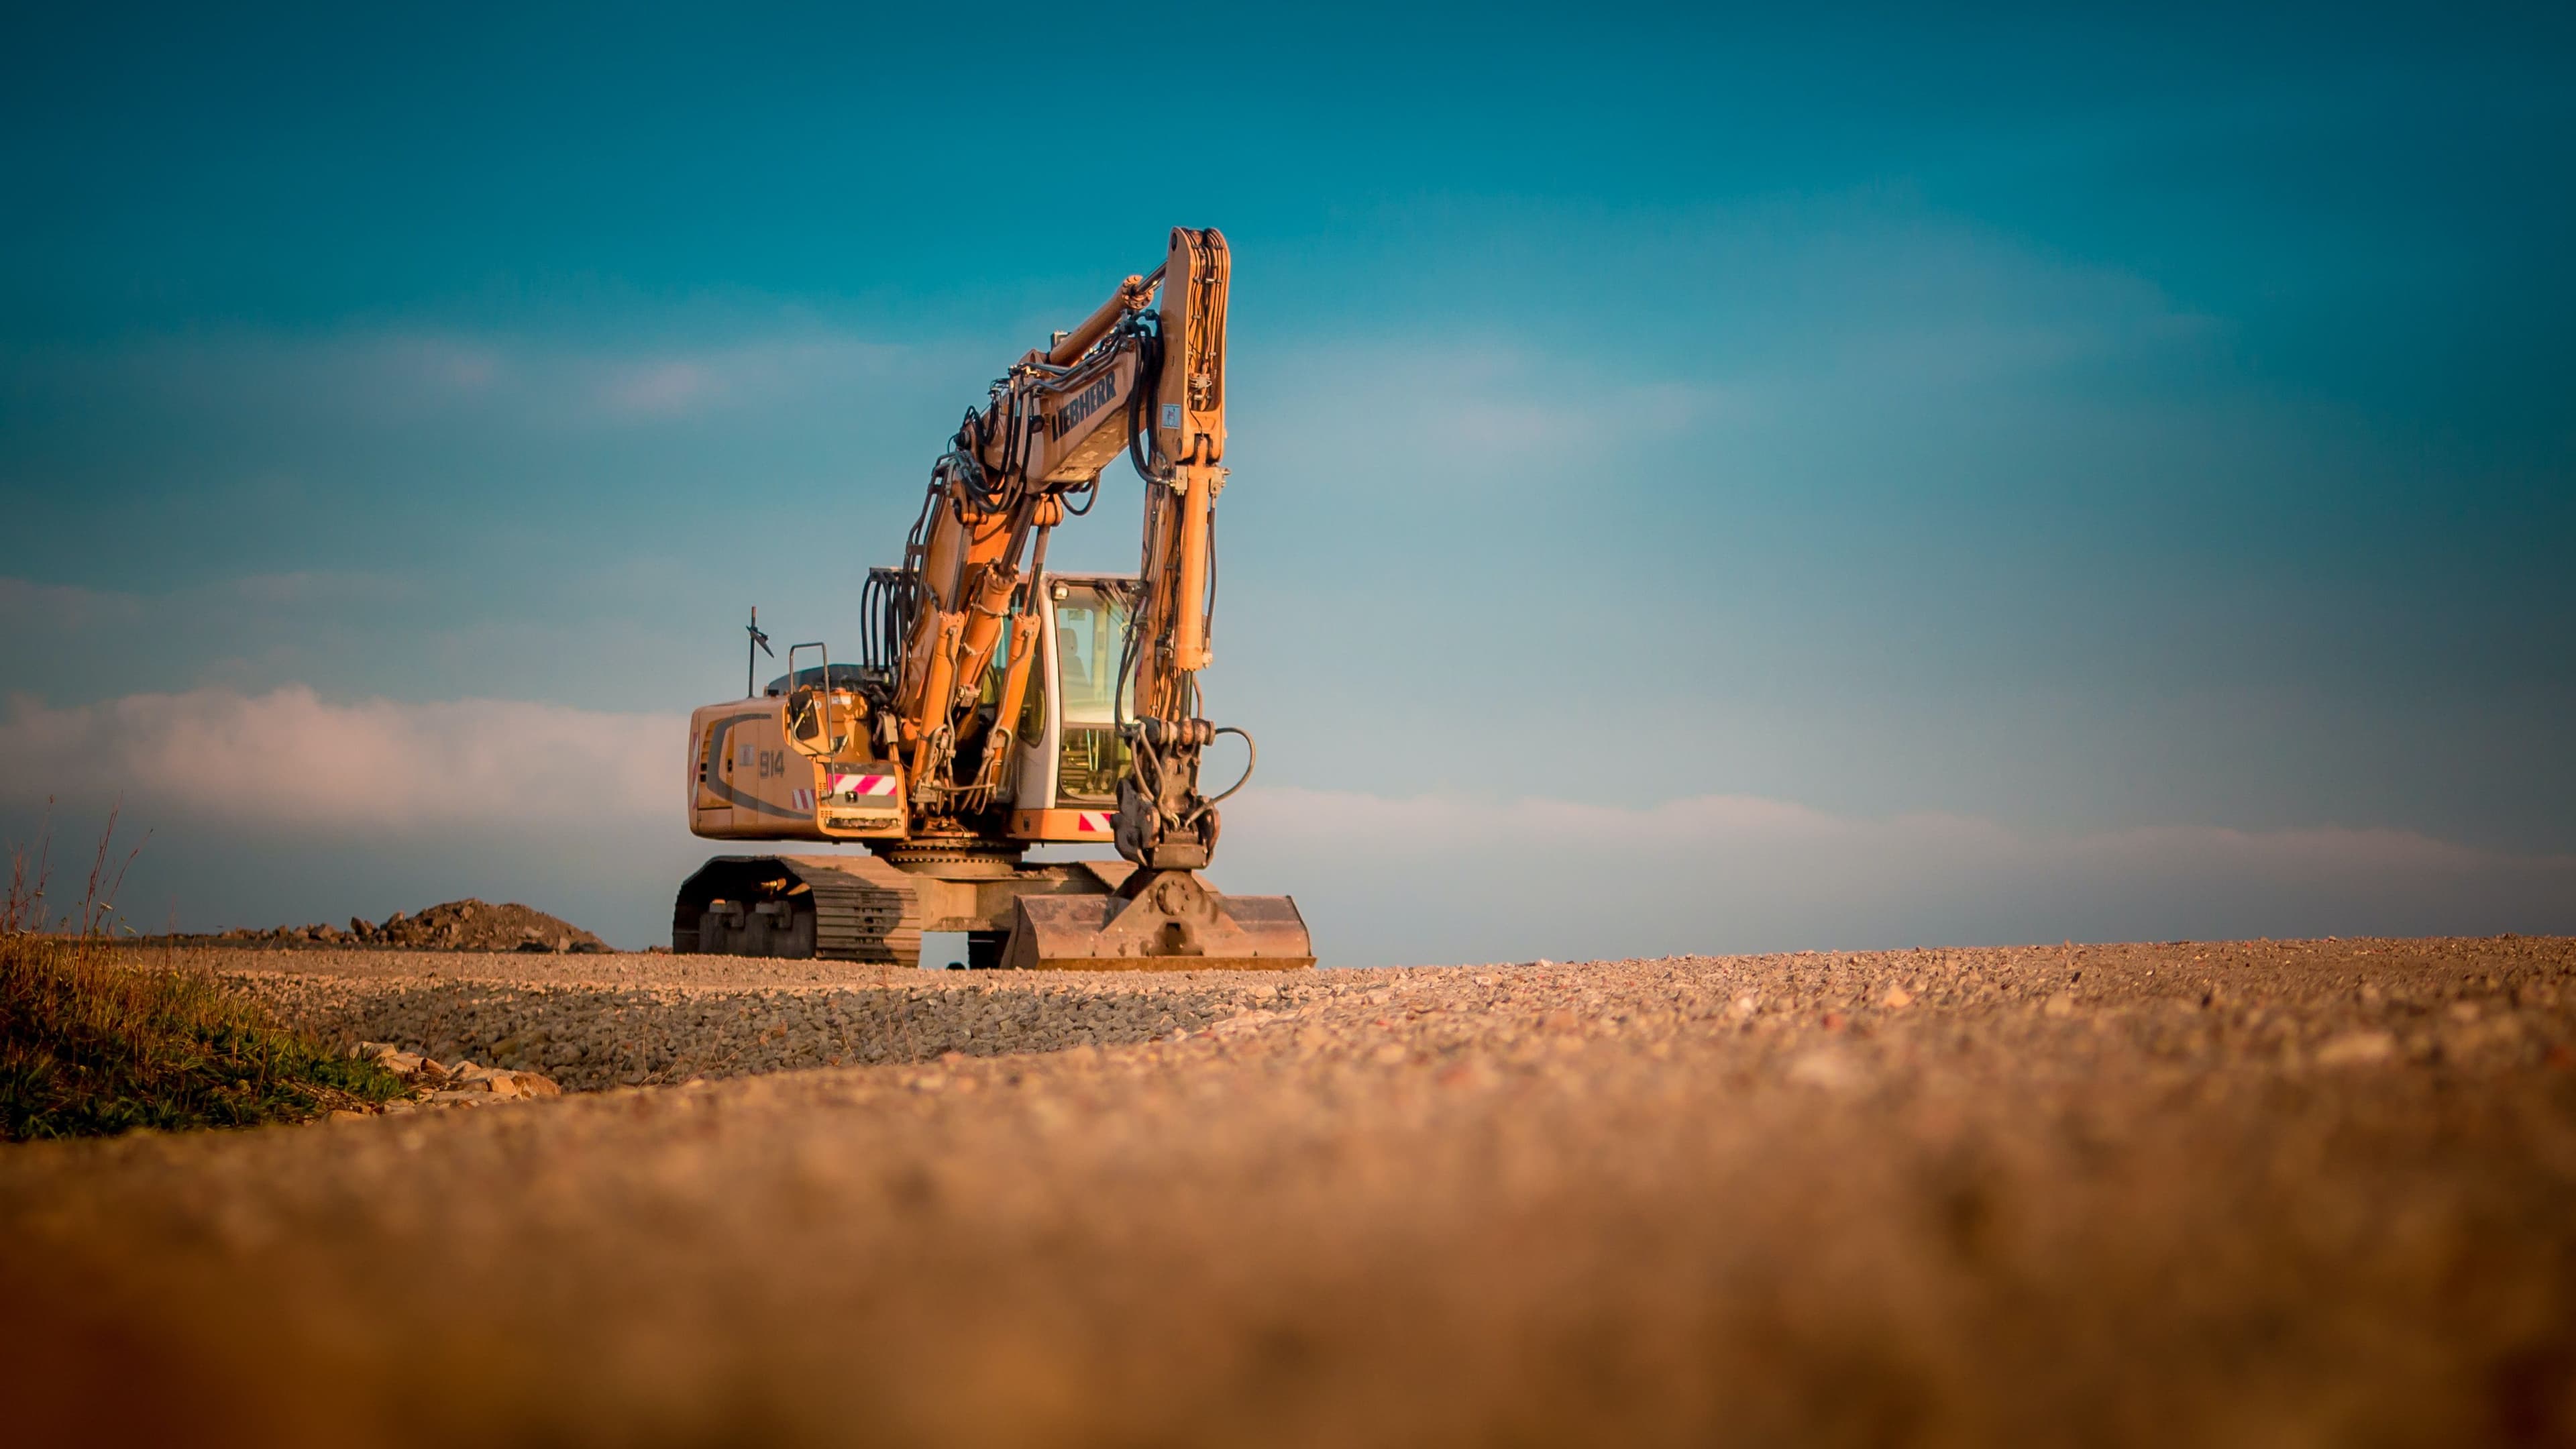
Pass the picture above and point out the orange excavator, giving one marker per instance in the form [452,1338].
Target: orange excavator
[993,706]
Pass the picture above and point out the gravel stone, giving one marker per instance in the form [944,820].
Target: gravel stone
[593,1022]
[2234,1192]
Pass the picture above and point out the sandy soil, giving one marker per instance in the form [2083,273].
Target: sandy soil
[2271,1193]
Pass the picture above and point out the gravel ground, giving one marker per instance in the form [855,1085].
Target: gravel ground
[2266,1193]
[632,1020]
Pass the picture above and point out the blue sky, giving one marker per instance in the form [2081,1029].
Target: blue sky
[2082,431]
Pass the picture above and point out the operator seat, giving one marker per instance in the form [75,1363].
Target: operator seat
[1068,651]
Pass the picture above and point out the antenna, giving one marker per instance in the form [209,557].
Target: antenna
[751,660]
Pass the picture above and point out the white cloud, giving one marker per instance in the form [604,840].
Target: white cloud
[683,383]
[374,379]
[497,786]
[1444,878]
[1468,417]
[28,607]
[290,761]
[303,588]
[657,388]
[1763,829]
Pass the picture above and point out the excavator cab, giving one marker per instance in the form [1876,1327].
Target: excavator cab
[1068,754]
[1070,750]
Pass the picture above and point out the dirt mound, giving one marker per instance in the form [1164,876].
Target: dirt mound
[466,925]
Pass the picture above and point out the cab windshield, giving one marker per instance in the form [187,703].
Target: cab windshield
[1090,627]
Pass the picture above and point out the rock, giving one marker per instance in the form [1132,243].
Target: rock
[472,925]
[466,925]
[499,1081]
[1827,1069]
[390,1057]
[2357,1049]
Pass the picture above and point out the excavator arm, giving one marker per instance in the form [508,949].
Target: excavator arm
[1143,375]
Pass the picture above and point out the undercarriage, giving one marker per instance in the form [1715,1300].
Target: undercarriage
[1064,915]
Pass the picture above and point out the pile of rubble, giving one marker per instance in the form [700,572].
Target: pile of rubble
[436,1084]
[466,925]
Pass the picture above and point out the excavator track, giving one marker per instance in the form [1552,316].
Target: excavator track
[837,907]
[864,909]
[1065,916]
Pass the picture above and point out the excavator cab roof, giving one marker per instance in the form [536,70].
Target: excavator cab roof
[842,676]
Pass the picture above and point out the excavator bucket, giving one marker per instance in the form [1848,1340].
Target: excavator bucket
[1160,920]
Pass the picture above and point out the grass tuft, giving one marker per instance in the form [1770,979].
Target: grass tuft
[91,1045]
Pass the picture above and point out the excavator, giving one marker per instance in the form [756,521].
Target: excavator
[993,706]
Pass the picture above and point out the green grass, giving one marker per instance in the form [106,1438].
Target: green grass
[90,1045]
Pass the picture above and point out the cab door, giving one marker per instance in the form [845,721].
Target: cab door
[1070,755]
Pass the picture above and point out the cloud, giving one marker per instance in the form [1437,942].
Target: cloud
[494,793]
[376,379]
[1445,878]
[28,603]
[660,388]
[247,631]
[1509,417]
[1700,825]
[30,607]
[303,588]
[288,761]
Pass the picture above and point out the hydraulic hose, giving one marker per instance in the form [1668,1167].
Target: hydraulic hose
[1251,757]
